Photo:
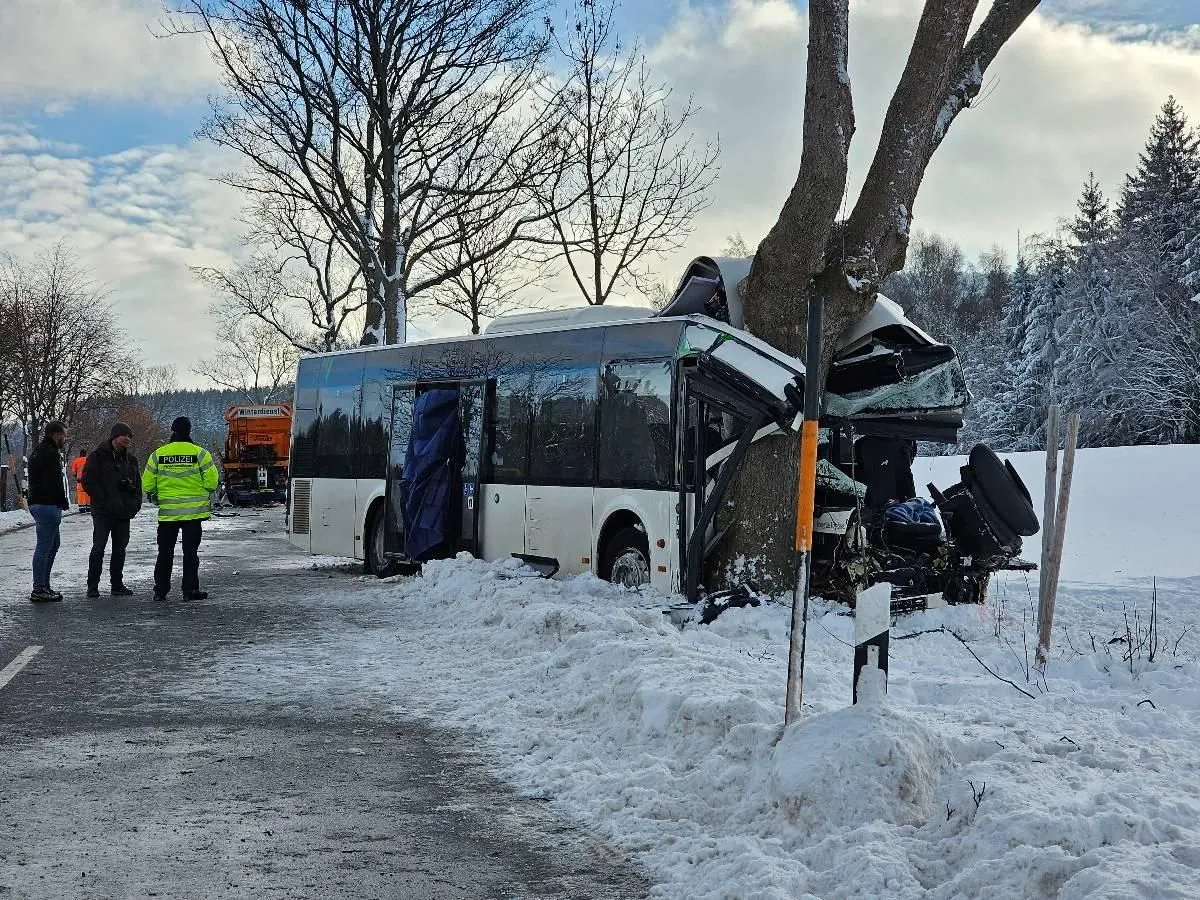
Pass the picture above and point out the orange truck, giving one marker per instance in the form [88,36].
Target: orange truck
[255,461]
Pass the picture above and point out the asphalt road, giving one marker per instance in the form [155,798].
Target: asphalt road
[116,781]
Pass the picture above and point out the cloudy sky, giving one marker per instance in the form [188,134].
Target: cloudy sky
[97,119]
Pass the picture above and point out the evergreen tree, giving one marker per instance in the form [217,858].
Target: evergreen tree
[999,418]
[1158,214]
[1159,263]
[1088,330]
[1034,387]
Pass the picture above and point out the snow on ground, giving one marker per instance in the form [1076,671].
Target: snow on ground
[11,520]
[1079,783]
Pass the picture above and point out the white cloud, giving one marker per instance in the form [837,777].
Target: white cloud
[58,51]
[1065,100]
[138,220]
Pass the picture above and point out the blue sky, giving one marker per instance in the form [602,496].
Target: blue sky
[108,127]
[97,119]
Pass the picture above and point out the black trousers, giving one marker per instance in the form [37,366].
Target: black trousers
[168,533]
[102,527]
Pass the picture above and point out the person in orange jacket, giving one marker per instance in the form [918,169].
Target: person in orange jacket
[81,496]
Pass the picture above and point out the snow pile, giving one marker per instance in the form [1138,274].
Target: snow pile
[893,766]
[14,519]
[971,778]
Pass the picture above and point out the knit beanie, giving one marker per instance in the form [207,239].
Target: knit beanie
[182,427]
[120,429]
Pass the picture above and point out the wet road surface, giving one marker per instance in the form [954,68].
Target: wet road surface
[118,780]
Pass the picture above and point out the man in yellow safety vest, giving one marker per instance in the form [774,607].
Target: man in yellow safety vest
[180,477]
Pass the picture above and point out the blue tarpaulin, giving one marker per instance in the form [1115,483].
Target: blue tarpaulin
[431,473]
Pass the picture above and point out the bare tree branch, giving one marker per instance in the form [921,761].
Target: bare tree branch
[65,347]
[632,181]
[372,113]
[253,359]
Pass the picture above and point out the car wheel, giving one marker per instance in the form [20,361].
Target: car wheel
[627,558]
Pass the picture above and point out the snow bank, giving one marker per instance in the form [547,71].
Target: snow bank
[959,783]
[14,519]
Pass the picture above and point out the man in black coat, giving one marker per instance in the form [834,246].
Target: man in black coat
[47,497]
[112,480]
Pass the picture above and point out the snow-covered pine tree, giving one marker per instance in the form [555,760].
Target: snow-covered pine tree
[986,291]
[1159,235]
[1033,382]
[998,418]
[1158,203]
[1088,330]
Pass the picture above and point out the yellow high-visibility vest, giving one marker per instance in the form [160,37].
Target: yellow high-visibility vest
[183,476]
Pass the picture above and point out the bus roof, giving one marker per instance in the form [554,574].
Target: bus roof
[536,326]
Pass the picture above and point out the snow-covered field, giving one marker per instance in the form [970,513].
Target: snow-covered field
[1082,782]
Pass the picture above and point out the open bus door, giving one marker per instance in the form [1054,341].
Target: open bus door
[441,487]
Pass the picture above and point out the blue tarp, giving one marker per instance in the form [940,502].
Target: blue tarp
[431,472]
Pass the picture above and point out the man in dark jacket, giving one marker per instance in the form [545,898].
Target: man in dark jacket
[47,496]
[112,480]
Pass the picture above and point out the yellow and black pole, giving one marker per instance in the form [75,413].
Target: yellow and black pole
[806,488]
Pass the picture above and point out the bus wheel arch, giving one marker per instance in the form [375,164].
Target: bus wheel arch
[623,550]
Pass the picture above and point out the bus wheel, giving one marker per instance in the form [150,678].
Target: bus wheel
[377,563]
[627,558]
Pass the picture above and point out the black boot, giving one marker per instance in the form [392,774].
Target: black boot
[93,592]
[119,590]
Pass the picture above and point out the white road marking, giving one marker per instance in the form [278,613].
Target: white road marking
[9,672]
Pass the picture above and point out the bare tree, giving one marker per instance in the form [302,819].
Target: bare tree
[253,359]
[809,251]
[8,352]
[634,181]
[736,246]
[386,119]
[484,286]
[66,347]
[298,280]
[659,293]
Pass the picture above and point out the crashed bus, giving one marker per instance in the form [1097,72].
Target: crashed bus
[604,440]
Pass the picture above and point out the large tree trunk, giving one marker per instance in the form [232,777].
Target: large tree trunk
[808,250]
[761,507]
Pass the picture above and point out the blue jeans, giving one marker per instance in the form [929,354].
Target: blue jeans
[47,519]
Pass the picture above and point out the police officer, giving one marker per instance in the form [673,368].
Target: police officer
[180,477]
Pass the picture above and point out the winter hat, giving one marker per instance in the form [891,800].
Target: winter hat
[120,429]
[182,427]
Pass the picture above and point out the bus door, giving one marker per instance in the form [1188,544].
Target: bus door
[731,397]
[464,493]
[403,399]
[472,396]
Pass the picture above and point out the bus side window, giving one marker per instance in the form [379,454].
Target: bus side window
[506,456]
[563,449]
[636,449]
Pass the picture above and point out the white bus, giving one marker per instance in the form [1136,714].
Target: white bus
[571,438]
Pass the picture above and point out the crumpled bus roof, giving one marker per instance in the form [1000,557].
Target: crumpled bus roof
[889,374]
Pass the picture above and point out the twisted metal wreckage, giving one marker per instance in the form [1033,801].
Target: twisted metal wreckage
[890,386]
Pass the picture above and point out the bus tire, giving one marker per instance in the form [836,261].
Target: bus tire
[626,559]
[374,561]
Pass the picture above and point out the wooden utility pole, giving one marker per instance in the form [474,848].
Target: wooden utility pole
[1052,562]
[1048,516]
